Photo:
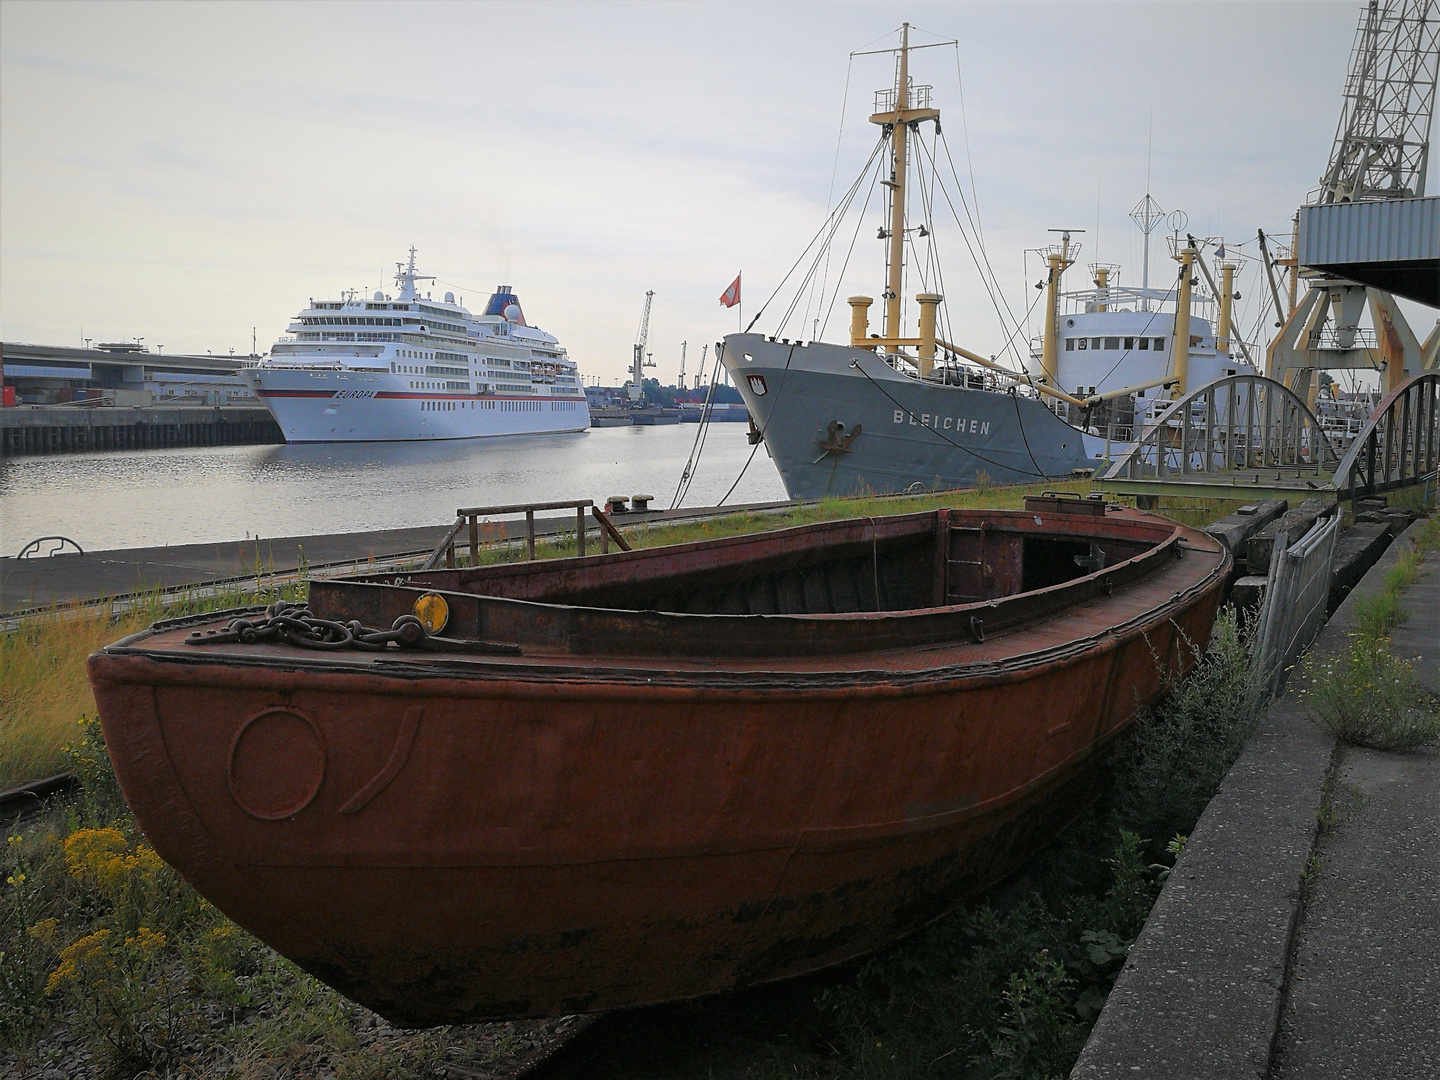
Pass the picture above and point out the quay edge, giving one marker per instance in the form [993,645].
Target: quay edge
[34,430]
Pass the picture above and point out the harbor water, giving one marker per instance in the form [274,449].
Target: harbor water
[199,495]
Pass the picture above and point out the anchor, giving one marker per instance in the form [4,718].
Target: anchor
[836,443]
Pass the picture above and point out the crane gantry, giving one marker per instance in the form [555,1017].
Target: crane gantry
[636,385]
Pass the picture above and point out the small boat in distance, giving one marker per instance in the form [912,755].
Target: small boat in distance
[409,368]
[589,783]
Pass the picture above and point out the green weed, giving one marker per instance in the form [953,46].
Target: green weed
[1369,697]
[1366,695]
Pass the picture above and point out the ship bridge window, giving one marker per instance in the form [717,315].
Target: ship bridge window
[1129,343]
[1069,344]
[1084,342]
[1144,343]
[1094,343]
[1112,343]
[1195,340]
[1159,343]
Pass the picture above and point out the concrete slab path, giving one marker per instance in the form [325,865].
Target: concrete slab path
[1363,998]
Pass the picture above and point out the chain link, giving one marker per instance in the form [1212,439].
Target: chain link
[292,624]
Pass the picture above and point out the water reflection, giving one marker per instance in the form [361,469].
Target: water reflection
[143,497]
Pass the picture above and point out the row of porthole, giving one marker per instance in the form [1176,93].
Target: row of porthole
[1144,343]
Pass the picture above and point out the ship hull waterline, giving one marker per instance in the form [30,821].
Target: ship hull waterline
[445,845]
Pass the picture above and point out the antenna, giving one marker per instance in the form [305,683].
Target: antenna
[1146,215]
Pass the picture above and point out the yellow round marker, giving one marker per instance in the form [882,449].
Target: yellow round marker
[433,612]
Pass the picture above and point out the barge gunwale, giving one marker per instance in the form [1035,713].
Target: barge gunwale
[591,627]
[538,580]
[282,669]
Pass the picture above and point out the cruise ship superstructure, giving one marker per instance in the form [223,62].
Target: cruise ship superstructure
[409,368]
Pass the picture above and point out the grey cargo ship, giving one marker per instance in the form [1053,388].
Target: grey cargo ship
[887,413]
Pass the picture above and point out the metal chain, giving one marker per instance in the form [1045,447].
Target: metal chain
[292,624]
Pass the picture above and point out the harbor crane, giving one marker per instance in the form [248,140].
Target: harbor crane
[1380,157]
[680,382]
[636,385]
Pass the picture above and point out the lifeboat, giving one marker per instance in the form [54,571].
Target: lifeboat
[588,783]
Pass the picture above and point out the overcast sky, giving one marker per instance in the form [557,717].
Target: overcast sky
[185,171]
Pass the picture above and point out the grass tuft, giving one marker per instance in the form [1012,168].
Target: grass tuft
[1367,696]
[43,687]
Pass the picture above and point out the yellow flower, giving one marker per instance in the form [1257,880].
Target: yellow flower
[75,954]
[146,940]
[102,856]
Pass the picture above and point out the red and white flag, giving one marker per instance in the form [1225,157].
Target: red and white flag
[731,296]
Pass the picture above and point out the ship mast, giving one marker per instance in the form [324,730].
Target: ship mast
[899,133]
[894,113]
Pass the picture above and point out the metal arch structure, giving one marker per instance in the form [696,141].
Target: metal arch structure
[1241,437]
[1400,443]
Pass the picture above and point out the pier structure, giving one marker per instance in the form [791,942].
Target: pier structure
[59,429]
[118,373]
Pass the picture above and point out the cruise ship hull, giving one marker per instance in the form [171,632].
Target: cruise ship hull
[323,405]
[840,421]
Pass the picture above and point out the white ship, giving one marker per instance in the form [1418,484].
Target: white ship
[409,368]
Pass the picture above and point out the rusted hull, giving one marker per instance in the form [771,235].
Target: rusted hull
[444,844]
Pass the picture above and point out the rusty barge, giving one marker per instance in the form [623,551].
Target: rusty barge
[651,775]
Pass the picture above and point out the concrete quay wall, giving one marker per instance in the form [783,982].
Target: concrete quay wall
[1203,994]
[65,430]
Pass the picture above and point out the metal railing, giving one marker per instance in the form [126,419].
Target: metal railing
[468,519]
[919,98]
[1342,338]
[1242,422]
[1400,442]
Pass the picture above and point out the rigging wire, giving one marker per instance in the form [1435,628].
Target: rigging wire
[834,216]
[859,221]
[829,195]
[687,475]
[838,219]
[969,161]
[986,282]
[975,227]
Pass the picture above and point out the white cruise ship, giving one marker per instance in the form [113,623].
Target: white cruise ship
[408,368]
